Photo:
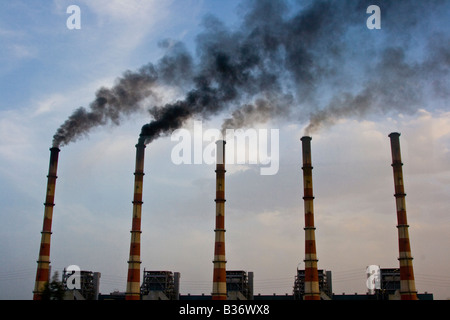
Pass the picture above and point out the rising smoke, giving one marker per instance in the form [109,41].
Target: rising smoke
[312,62]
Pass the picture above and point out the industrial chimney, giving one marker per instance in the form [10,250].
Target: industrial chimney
[407,283]
[133,291]
[219,291]
[312,291]
[43,268]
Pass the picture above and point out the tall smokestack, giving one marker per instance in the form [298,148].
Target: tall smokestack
[407,283]
[43,268]
[312,291]
[219,276]
[134,263]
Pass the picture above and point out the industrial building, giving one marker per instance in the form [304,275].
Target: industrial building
[325,285]
[87,285]
[389,283]
[240,287]
[389,286]
[160,285]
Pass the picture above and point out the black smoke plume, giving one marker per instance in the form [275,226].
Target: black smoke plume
[109,106]
[311,62]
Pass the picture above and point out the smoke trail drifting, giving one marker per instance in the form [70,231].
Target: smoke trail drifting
[109,106]
[397,86]
[311,61]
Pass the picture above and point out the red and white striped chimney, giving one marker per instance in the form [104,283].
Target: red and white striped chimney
[312,291]
[133,291]
[219,291]
[407,283]
[43,268]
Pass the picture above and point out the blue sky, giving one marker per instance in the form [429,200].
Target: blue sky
[47,71]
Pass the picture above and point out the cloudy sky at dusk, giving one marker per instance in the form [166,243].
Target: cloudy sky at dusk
[294,66]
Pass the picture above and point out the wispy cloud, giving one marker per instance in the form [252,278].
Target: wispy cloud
[128,22]
[20,51]
[131,11]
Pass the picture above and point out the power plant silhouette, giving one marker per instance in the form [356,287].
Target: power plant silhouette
[310,284]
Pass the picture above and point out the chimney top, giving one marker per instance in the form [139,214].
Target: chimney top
[393,134]
[306,138]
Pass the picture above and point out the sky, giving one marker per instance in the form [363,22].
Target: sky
[346,85]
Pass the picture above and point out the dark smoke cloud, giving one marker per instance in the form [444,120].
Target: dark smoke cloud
[109,106]
[306,61]
[395,86]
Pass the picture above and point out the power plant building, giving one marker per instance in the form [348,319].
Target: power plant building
[87,283]
[160,285]
[310,283]
[239,285]
[325,285]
